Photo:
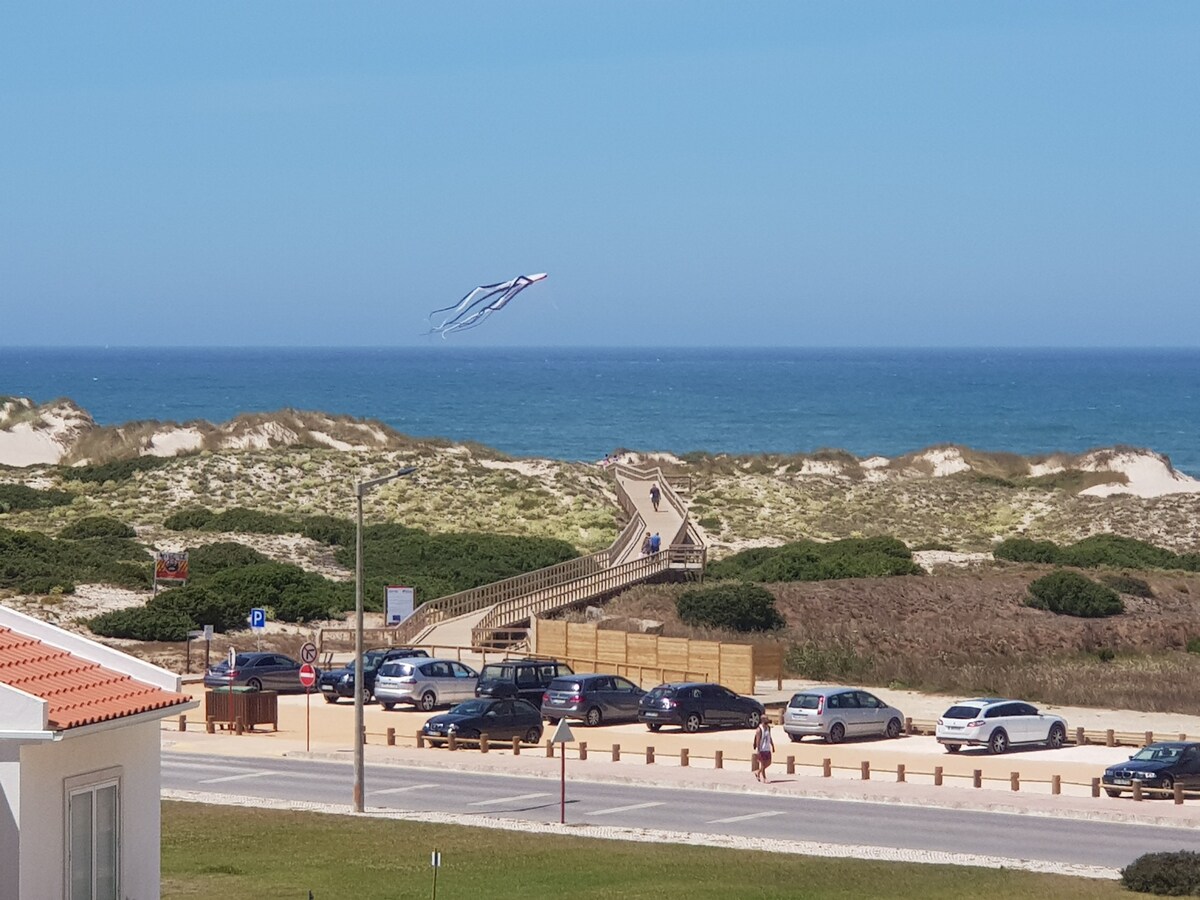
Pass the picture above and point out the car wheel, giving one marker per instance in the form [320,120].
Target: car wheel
[1112,792]
[553,720]
[1058,737]
[1167,784]
[953,748]
[388,705]
[428,701]
[653,726]
[692,723]
[254,684]
[796,738]
[893,728]
[330,698]
[594,717]
[837,733]
[533,735]
[753,719]
[998,742]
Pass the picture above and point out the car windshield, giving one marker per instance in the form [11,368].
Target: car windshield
[499,673]
[662,691]
[564,684]
[471,708]
[393,668]
[804,701]
[961,712]
[1157,754]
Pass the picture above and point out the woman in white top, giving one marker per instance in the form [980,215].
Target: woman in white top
[764,745]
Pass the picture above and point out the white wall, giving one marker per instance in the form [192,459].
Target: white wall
[10,815]
[44,766]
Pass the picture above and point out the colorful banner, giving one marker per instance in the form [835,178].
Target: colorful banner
[171,567]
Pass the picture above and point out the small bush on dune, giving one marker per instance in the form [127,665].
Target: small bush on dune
[192,519]
[252,521]
[1174,874]
[141,624]
[875,557]
[1069,593]
[1118,552]
[328,530]
[1026,550]
[1128,584]
[97,527]
[19,496]
[738,606]
[34,563]
[119,470]
[213,558]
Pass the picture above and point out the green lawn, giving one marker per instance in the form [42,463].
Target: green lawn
[231,852]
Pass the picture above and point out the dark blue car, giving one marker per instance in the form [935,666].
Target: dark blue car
[338,683]
[1161,766]
[500,720]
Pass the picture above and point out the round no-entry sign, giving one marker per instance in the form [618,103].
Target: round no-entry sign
[308,675]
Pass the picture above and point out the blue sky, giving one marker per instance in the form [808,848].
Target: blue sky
[783,174]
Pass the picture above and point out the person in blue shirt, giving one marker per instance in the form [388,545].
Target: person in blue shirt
[655,543]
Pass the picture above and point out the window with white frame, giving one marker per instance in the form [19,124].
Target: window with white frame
[93,830]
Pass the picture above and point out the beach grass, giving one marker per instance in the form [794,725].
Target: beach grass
[211,851]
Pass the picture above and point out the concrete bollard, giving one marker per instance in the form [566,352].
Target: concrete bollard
[1056,784]
[908,728]
[1014,780]
[452,743]
[210,726]
[616,753]
[718,759]
[484,746]
[1149,738]
[865,768]
[1182,736]
[1137,790]
[827,768]
[1095,787]
[549,749]
[977,778]
[649,756]
[1080,736]
[391,737]
[183,723]
[1178,794]
[683,757]
[420,741]
[900,773]
[583,749]
[937,776]
[791,765]
[516,746]
[1110,738]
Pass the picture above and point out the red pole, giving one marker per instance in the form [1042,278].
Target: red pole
[562,801]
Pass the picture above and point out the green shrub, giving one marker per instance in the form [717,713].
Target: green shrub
[34,563]
[1069,593]
[328,530]
[143,624]
[740,606]
[212,558]
[1172,874]
[19,496]
[193,519]
[1128,584]
[1193,645]
[826,662]
[1117,552]
[252,521]
[97,527]
[812,561]
[1026,550]
[118,470]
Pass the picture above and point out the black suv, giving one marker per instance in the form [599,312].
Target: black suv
[338,683]
[526,679]
[691,705]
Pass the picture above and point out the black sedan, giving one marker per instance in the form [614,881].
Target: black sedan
[338,683]
[500,720]
[692,705]
[1161,766]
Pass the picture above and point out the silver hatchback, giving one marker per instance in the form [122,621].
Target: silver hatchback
[425,683]
[836,713]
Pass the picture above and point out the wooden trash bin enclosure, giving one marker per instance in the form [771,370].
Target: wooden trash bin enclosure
[226,707]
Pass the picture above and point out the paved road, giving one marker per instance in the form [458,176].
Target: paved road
[681,810]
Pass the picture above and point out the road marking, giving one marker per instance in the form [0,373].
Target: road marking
[758,815]
[500,800]
[621,809]
[407,787]
[237,777]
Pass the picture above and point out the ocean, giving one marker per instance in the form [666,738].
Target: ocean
[578,404]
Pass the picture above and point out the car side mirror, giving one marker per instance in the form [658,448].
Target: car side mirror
[1131,757]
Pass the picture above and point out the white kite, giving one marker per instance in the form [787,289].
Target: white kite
[481,302]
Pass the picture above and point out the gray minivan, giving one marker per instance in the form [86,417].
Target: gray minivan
[836,713]
[425,683]
[594,697]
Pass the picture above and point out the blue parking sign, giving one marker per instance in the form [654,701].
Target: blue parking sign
[258,618]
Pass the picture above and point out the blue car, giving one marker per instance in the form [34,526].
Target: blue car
[1161,765]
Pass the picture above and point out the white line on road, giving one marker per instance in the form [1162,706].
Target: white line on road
[407,787]
[500,800]
[757,815]
[238,777]
[621,809]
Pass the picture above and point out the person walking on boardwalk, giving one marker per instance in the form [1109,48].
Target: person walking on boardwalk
[655,543]
[764,746]
[646,545]
[655,496]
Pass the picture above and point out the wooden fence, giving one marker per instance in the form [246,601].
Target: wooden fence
[668,659]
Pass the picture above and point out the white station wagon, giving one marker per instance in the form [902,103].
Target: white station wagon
[998,724]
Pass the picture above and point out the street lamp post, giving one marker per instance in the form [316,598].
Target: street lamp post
[360,490]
